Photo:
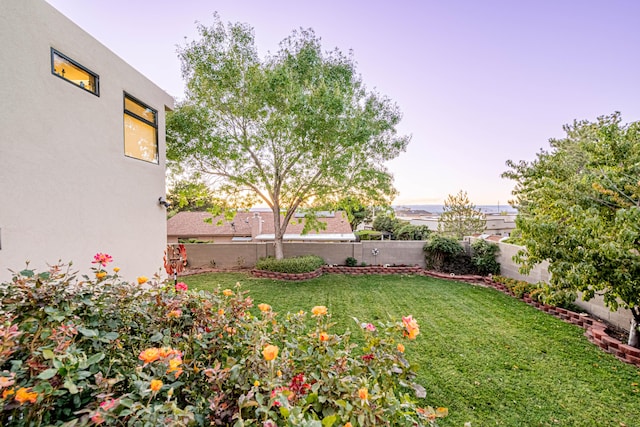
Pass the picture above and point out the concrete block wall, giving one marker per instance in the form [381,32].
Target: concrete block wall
[508,268]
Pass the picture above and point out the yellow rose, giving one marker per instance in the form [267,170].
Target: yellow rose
[256,383]
[319,310]
[270,352]
[101,274]
[142,279]
[116,269]
[156,385]
[227,292]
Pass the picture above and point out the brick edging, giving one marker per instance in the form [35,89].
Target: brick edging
[286,276]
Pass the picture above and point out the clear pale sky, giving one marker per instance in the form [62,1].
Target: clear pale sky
[478,81]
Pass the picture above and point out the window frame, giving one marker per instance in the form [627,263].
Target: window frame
[96,77]
[154,125]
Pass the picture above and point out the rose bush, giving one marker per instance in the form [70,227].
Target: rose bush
[101,351]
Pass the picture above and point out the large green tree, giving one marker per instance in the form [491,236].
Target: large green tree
[293,130]
[460,217]
[579,208]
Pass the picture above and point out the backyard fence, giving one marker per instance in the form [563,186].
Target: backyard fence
[392,252]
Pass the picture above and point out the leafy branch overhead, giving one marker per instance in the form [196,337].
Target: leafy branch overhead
[294,130]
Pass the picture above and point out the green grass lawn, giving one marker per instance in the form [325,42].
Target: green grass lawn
[489,358]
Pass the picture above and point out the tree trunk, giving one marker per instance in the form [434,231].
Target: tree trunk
[277,229]
[279,248]
[633,334]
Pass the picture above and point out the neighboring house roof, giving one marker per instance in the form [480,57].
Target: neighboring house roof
[192,224]
[258,225]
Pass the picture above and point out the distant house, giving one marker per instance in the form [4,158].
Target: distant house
[82,148]
[253,227]
[496,224]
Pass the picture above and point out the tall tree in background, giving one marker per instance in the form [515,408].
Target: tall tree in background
[579,208]
[295,130]
[460,217]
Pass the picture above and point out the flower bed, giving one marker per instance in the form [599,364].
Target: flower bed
[102,351]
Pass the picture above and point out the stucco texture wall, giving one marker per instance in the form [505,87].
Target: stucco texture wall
[67,189]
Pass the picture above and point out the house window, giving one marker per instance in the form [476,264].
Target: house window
[71,71]
[140,130]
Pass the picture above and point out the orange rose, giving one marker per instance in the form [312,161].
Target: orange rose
[23,395]
[270,352]
[149,355]
[324,336]
[411,326]
[363,393]
[227,292]
[319,310]
[264,307]
[400,348]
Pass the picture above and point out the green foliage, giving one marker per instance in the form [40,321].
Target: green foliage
[190,195]
[104,351]
[295,129]
[412,232]
[294,265]
[440,249]
[356,211]
[368,235]
[541,292]
[578,209]
[483,256]
[386,223]
[351,262]
[460,217]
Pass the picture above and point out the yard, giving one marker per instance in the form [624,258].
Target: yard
[489,358]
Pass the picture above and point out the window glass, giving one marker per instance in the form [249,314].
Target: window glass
[140,130]
[139,109]
[73,72]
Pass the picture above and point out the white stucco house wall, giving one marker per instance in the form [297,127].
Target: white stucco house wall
[82,148]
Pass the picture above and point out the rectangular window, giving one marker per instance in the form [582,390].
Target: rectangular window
[71,71]
[140,130]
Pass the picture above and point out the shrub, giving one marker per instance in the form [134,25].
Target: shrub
[412,232]
[295,265]
[103,351]
[484,257]
[368,235]
[351,262]
[439,250]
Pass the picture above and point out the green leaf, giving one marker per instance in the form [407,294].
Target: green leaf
[87,332]
[157,337]
[27,273]
[48,374]
[329,421]
[284,412]
[110,336]
[69,385]
[94,359]
[48,354]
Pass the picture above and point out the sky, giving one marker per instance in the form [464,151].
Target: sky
[478,81]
